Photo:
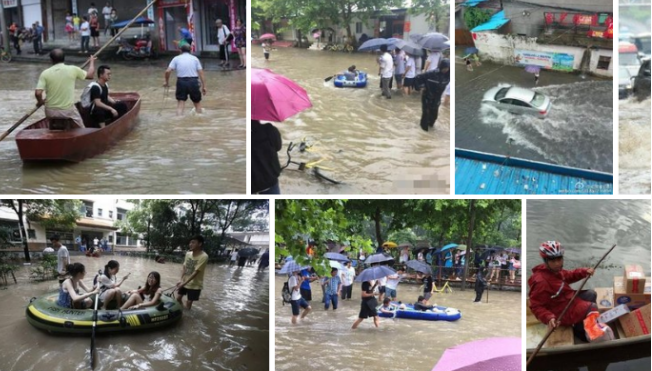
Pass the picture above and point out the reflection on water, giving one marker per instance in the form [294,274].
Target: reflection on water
[164,154]
[373,144]
[400,344]
[227,329]
[587,229]
[634,146]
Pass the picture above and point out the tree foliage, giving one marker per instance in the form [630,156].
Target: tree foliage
[473,17]
[436,12]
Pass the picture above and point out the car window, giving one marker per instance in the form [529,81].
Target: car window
[506,101]
[501,94]
[519,103]
[628,59]
[538,99]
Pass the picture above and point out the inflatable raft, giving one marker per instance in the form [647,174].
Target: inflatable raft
[360,81]
[437,314]
[44,313]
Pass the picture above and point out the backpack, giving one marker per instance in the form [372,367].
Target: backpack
[86,94]
[285,293]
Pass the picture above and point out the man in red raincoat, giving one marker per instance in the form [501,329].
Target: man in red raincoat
[550,291]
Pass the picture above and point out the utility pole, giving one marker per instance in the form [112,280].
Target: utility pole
[3,24]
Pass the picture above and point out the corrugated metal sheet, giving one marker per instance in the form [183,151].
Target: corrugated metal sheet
[497,21]
[479,173]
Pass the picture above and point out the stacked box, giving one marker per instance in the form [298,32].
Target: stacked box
[634,279]
[605,299]
[636,323]
[633,301]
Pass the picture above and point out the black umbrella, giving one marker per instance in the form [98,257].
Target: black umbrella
[247,252]
[419,266]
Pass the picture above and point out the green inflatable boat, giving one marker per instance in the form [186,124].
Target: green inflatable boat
[44,313]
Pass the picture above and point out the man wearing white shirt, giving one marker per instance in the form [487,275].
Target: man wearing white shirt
[385,71]
[296,301]
[106,12]
[348,275]
[63,257]
[223,40]
[85,30]
[432,63]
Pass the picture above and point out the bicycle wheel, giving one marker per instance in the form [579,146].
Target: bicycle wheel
[349,48]
[5,57]
[340,48]
[320,175]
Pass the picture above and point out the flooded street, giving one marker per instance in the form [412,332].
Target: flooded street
[164,154]
[577,132]
[587,229]
[400,344]
[371,144]
[634,146]
[227,329]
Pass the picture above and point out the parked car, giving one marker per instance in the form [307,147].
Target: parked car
[641,83]
[624,82]
[518,100]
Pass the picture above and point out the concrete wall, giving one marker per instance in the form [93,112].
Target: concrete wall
[500,48]
[588,5]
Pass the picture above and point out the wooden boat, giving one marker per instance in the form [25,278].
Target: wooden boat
[72,144]
[563,349]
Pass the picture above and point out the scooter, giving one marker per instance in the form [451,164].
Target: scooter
[141,50]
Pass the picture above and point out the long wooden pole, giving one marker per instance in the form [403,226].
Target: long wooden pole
[27,115]
[551,330]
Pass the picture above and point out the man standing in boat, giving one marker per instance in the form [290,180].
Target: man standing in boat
[550,291]
[189,74]
[103,108]
[58,83]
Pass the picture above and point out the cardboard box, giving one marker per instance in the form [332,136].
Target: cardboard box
[633,301]
[613,314]
[634,279]
[636,323]
[605,299]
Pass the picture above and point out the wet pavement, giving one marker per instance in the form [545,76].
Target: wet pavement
[372,144]
[165,154]
[577,132]
[634,147]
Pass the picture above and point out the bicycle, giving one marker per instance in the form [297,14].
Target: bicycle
[302,166]
[5,55]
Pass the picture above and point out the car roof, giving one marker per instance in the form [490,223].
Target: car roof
[524,95]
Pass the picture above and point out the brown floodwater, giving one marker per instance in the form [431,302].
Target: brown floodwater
[227,329]
[200,154]
[372,144]
[324,339]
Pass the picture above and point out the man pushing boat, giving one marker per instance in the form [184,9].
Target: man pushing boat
[550,292]
[58,83]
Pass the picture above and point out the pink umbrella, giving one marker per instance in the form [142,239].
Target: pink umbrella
[268,36]
[483,355]
[275,97]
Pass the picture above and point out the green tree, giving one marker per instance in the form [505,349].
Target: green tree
[436,13]
[51,214]
[473,17]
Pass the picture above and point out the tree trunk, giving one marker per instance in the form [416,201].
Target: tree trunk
[149,236]
[469,241]
[379,236]
[300,43]
[23,231]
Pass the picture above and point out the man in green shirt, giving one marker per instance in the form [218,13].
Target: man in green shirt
[58,82]
[192,272]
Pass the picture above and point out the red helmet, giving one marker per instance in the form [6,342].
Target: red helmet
[551,250]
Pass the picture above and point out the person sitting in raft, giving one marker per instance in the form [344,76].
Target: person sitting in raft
[351,73]
[145,297]
[421,304]
[109,289]
[68,294]
[550,291]
[387,307]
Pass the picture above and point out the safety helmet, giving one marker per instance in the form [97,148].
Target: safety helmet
[551,250]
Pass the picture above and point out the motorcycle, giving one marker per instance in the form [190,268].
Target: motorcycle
[140,50]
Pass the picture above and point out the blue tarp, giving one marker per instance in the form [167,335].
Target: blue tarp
[473,2]
[497,21]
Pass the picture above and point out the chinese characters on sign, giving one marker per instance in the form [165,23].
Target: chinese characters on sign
[9,3]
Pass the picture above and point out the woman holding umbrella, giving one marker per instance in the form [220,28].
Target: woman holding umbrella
[369,302]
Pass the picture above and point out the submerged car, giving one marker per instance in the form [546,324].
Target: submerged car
[624,82]
[518,100]
[641,82]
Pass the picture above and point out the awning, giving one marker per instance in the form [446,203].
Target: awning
[95,223]
[497,21]
[473,2]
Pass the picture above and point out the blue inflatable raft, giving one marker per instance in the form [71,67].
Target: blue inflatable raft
[360,81]
[437,314]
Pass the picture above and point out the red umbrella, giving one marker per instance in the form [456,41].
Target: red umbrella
[275,97]
[268,36]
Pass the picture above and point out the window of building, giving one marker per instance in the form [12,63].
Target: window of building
[604,62]
[358,27]
[31,234]
[65,237]
[110,214]
[122,213]
[99,212]
[87,209]
[110,238]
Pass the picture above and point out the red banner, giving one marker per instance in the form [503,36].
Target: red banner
[562,16]
[550,18]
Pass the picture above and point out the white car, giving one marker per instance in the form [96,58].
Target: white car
[518,100]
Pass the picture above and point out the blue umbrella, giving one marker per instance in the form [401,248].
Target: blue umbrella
[448,247]
[137,22]
[291,267]
[374,273]
[532,69]
[419,266]
[374,44]
[378,258]
[471,50]
[336,256]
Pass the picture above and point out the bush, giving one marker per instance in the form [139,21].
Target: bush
[47,269]
[473,17]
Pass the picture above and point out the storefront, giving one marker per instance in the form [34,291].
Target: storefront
[170,15]
[229,11]
[11,12]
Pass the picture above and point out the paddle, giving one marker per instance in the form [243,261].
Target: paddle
[93,332]
[551,330]
[122,30]
[329,78]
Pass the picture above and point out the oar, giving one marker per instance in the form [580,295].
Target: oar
[93,333]
[488,293]
[329,78]
[22,119]
[550,331]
